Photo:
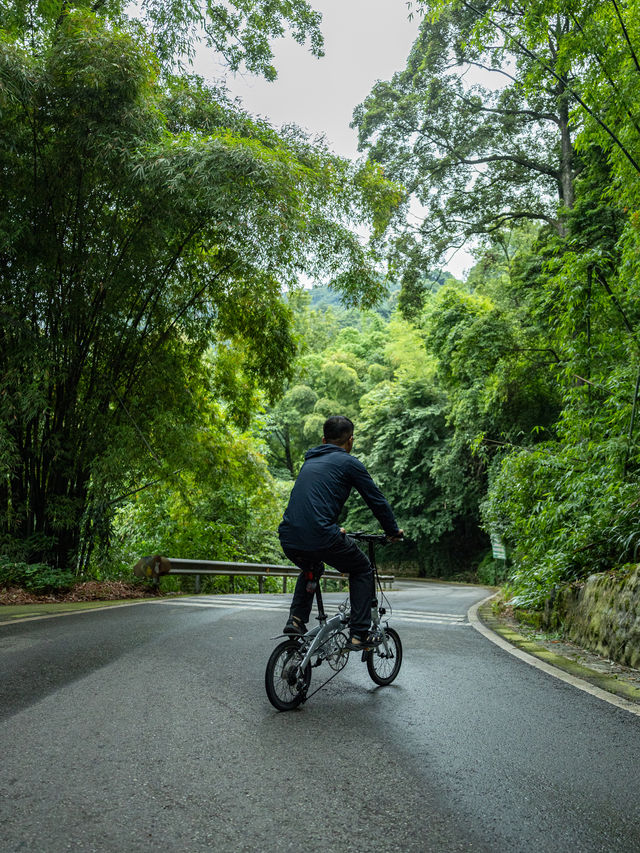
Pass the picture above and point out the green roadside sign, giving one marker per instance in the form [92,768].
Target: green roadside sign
[498,547]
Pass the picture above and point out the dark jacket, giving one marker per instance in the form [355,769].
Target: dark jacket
[323,485]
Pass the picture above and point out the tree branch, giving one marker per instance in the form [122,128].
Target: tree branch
[626,35]
[533,114]
[484,68]
[614,299]
[509,158]
[501,218]
[540,168]
[616,140]
[606,74]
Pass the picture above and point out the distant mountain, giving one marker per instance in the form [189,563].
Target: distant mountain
[322,297]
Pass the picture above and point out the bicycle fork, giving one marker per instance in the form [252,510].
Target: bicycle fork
[377,630]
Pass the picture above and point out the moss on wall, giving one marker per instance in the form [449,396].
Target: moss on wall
[602,615]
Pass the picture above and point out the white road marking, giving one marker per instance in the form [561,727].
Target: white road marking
[242,603]
[427,619]
[459,618]
[224,605]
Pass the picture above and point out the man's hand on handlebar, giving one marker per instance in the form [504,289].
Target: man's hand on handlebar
[381,538]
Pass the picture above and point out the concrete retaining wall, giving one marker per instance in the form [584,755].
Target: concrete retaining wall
[602,615]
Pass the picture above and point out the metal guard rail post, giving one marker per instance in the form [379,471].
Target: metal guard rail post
[154,567]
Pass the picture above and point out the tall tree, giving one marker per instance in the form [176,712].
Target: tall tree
[143,217]
[477,159]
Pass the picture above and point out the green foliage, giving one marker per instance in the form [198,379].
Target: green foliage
[568,506]
[536,360]
[492,572]
[477,158]
[149,227]
[433,405]
[336,366]
[222,506]
[401,431]
[35,577]
[146,218]
[507,409]
[567,517]
[238,31]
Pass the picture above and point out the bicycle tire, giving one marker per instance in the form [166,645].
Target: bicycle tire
[382,669]
[284,691]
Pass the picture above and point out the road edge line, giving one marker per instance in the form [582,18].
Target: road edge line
[15,620]
[574,681]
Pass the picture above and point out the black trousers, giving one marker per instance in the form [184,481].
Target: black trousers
[346,557]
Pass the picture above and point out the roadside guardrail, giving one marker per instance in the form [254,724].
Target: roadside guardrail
[156,566]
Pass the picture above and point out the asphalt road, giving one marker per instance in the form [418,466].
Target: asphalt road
[147,728]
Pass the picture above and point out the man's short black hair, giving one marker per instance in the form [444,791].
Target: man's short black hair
[337,429]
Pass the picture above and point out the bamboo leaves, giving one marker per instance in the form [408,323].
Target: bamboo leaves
[144,219]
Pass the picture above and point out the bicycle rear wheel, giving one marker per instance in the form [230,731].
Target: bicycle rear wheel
[285,688]
[383,665]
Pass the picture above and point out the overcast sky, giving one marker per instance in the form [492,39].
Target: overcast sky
[365,41]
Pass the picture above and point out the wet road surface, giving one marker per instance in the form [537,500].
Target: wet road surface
[147,728]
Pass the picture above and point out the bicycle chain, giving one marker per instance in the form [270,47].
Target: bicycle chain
[324,683]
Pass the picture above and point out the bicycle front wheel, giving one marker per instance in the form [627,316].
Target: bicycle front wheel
[286,687]
[383,665]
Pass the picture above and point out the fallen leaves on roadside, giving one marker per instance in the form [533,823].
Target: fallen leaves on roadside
[87,591]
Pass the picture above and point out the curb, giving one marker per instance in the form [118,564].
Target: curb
[589,681]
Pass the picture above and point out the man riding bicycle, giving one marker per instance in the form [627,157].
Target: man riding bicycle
[310,535]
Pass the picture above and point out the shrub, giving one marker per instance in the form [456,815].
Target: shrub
[36,577]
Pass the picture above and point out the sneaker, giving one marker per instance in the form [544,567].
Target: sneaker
[295,626]
[361,642]
[358,643]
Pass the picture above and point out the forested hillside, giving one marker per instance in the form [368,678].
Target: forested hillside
[162,369]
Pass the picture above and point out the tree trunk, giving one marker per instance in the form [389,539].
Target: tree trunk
[287,452]
[566,189]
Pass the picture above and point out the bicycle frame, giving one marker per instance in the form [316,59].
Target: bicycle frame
[321,633]
[328,627]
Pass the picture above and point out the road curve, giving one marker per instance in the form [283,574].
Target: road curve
[147,728]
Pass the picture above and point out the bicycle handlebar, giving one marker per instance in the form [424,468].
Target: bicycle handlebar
[381,538]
